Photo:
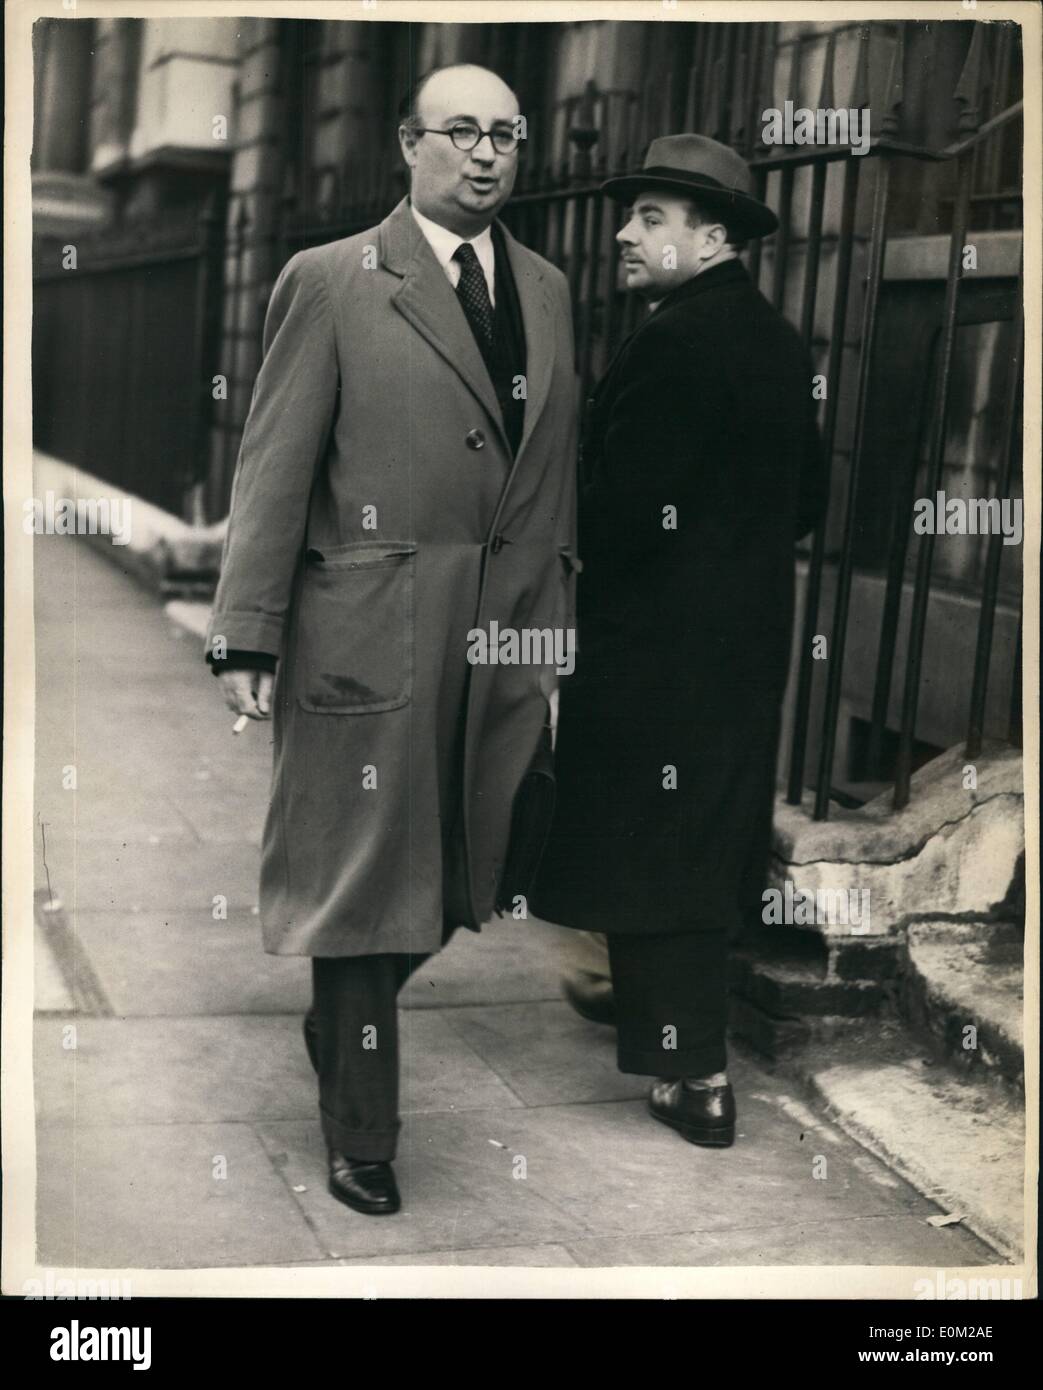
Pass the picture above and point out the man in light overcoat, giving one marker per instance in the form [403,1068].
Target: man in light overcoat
[406,477]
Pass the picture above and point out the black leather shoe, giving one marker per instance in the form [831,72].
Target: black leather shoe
[596,1003]
[311,1042]
[367,1187]
[703,1116]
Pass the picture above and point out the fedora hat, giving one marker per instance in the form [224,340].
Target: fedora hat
[706,170]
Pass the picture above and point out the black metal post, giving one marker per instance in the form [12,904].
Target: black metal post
[802,704]
[1014,732]
[990,587]
[893,596]
[846,566]
[230,443]
[936,456]
[206,338]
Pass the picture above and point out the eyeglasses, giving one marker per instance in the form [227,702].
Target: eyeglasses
[467,135]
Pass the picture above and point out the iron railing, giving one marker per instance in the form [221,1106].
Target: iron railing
[125,350]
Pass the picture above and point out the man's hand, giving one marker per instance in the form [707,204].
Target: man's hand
[248,692]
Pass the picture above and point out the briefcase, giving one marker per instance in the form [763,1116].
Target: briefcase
[531,818]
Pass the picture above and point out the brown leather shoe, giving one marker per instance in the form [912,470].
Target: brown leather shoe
[365,1186]
[703,1116]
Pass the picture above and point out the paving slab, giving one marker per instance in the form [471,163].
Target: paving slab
[457,1191]
[111,803]
[867,1240]
[107,804]
[245,1067]
[151,1197]
[546,1053]
[171,1070]
[128,876]
[508,961]
[177,723]
[186,963]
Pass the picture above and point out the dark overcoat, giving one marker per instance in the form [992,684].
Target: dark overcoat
[701,468]
[378,516]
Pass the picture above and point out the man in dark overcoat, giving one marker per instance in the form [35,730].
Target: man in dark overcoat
[701,467]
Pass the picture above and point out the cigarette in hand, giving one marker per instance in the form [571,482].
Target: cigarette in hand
[240,724]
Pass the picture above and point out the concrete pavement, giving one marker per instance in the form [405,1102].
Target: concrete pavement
[180,1131]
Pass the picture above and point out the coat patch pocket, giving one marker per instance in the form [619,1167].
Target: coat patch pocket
[355,628]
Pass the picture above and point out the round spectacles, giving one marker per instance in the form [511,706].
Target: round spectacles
[467,135]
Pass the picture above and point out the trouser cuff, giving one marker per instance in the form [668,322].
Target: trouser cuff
[367,1145]
[703,1061]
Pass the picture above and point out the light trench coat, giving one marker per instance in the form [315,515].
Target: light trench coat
[377,519]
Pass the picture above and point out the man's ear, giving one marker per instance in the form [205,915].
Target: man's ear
[715,236]
[407,139]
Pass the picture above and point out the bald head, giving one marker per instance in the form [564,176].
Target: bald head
[460,189]
[457,78]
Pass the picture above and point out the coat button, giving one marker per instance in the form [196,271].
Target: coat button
[498,544]
[475,440]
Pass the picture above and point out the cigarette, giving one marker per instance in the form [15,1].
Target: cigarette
[240,724]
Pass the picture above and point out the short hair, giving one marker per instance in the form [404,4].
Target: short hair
[407,107]
[699,215]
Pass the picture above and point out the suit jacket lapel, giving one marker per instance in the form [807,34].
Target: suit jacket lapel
[427,299]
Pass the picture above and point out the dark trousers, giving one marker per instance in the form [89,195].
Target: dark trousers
[671,995]
[353,1024]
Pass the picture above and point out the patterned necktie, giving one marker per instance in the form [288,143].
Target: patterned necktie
[474,293]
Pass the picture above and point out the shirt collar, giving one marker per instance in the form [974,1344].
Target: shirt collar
[444,243]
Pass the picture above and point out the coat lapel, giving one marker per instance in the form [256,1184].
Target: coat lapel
[427,299]
[535,302]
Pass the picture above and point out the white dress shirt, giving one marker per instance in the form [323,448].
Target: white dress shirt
[444,243]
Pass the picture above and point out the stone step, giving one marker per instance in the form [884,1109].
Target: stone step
[789,988]
[963,987]
[780,1039]
[795,988]
[958,1140]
